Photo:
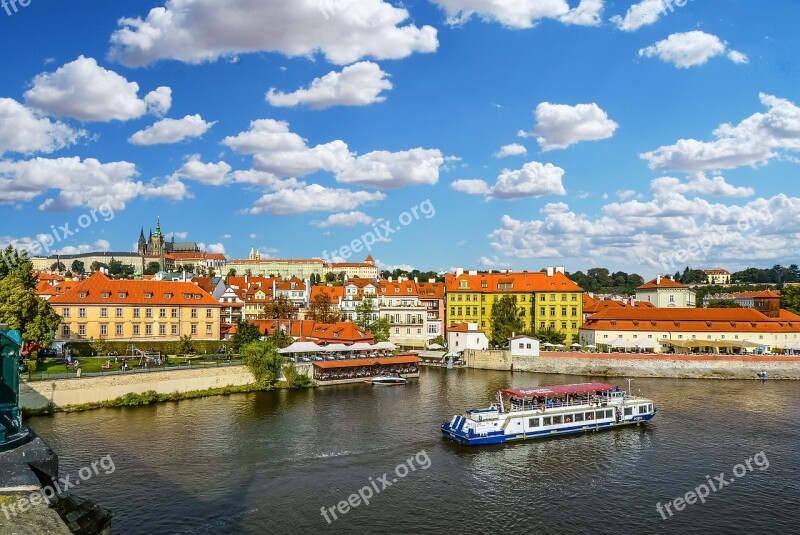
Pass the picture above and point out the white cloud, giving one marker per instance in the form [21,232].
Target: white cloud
[493,262]
[216,248]
[641,14]
[262,178]
[281,152]
[171,131]
[88,183]
[533,180]
[514,149]
[559,125]
[754,141]
[194,31]
[624,195]
[690,49]
[345,219]
[392,267]
[357,85]
[313,198]
[213,174]
[699,183]
[522,13]
[182,235]
[23,130]
[85,91]
[226,236]
[386,170]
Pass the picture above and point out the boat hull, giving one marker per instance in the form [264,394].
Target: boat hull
[471,439]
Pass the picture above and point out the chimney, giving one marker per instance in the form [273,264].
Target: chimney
[550,271]
[658,280]
[560,269]
[246,278]
[473,272]
[431,281]
[390,279]
[416,279]
[633,301]
[459,272]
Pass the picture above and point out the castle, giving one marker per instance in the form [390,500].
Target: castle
[157,246]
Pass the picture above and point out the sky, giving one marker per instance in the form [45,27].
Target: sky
[485,134]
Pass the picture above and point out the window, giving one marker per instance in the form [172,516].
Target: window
[552,297]
[162,330]
[64,312]
[209,313]
[628,411]
[162,312]
[574,297]
[174,312]
[209,328]
[81,312]
[574,311]
[533,422]
[122,295]
[483,311]
[522,298]
[65,331]
[118,313]
[173,329]
[600,415]
[541,325]
[82,330]
[563,312]
[148,313]
[194,329]
[103,312]
[563,324]
[105,295]
[579,417]
[148,330]
[408,330]
[135,330]
[547,420]
[558,420]
[574,325]
[118,329]
[589,416]
[194,312]
[452,311]
[563,297]
[552,311]
[542,298]
[642,409]
[136,313]
[104,330]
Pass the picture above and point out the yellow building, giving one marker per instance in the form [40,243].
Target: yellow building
[544,299]
[100,308]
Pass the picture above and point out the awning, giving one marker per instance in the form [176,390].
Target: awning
[432,355]
[647,344]
[719,344]
[560,390]
[360,363]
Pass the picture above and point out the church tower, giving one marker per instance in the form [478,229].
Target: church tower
[142,248]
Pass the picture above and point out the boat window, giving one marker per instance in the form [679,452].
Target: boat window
[579,417]
[628,411]
[642,409]
[610,413]
[650,408]
[558,420]
[547,420]
[589,416]
[601,414]
[533,422]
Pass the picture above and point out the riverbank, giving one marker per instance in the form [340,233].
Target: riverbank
[660,365]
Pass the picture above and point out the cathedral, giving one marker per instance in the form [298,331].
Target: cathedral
[156,244]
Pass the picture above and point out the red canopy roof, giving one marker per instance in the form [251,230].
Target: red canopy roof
[357,363]
[560,390]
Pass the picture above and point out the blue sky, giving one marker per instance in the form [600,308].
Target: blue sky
[641,136]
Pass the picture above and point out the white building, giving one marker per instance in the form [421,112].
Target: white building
[400,305]
[466,336]
[663,292]
[523,346]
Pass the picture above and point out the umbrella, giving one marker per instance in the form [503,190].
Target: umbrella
[619,342]
[647,344]
[300,347]
[560,346]
[575,345]
[548,344]
[335,348]
[435,346]
[592,346]
[360,346]
[388,345]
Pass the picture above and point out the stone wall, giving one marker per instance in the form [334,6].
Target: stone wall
[488,359]
[62,392]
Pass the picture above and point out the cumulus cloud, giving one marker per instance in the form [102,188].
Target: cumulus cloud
[514,149]
[281,152]
[213,174]
[312,198]
[691,49]
[533,180]
[520,14]
[345,219]
[641,14]
[699,183]
[493,262]
[216,248]
[87,183]
[754,141]
[168,131]
[25,131]
[559,125]
[357,85]
[86,91]
[195,31]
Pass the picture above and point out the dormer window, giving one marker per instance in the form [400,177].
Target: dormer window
[168,296]
[148,295]
[122,295]
[198,296]
[187,296]
[83,295]
[105,295]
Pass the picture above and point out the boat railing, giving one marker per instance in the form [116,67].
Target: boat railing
[555,404]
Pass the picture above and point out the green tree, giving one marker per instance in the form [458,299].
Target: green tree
[790,298]
[365,314]
[152,268]
[322,310]
[231,272]
[264,362]
[20,306]
[439,340]
[114,268]
[97,266]
[280,308]
[505,320]
[550,335]
[281,339]
[78,267]
[380,330]
[58,266]
[246,333]
[330,277]
[723,303]
[185,345]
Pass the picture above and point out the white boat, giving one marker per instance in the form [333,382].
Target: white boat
[390,379]
[539,412]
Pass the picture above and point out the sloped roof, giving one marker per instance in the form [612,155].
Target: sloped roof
[135,293]
[519,282]
[690,319]
[665,282]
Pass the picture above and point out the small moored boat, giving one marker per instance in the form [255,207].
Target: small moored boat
[389,379]
[546,411]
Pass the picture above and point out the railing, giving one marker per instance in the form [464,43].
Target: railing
[557,404]
[189,365]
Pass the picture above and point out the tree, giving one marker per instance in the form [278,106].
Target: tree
[264,362]
[246,333]
[380,330]
[549,335]
[790,299]
[322,309]
[330,277]
[364,314]
[185,345]
[279,308]
[231,272]
[723,303]
[505,320]
[281,338]
[97,266]
[152,268]
[114,267]
[58,266]
[78,267]
[20,306]
[439,340]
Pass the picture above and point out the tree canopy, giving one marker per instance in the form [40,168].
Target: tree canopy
[505,320]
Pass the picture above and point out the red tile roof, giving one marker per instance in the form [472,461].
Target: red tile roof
[689,319]
[519,282]
[665,282]
[334,292]
[344,332]
[431,290]
[135,293]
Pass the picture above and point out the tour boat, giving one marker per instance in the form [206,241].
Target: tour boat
[391,379]
[547,411]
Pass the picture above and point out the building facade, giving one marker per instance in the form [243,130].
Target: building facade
[100,308]
[400,305]
[717,276]
[463,336]
[663,292]
[544,299]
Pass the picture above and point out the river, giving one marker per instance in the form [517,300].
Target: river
[269,462]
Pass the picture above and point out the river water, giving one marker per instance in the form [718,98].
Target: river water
[268,462]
